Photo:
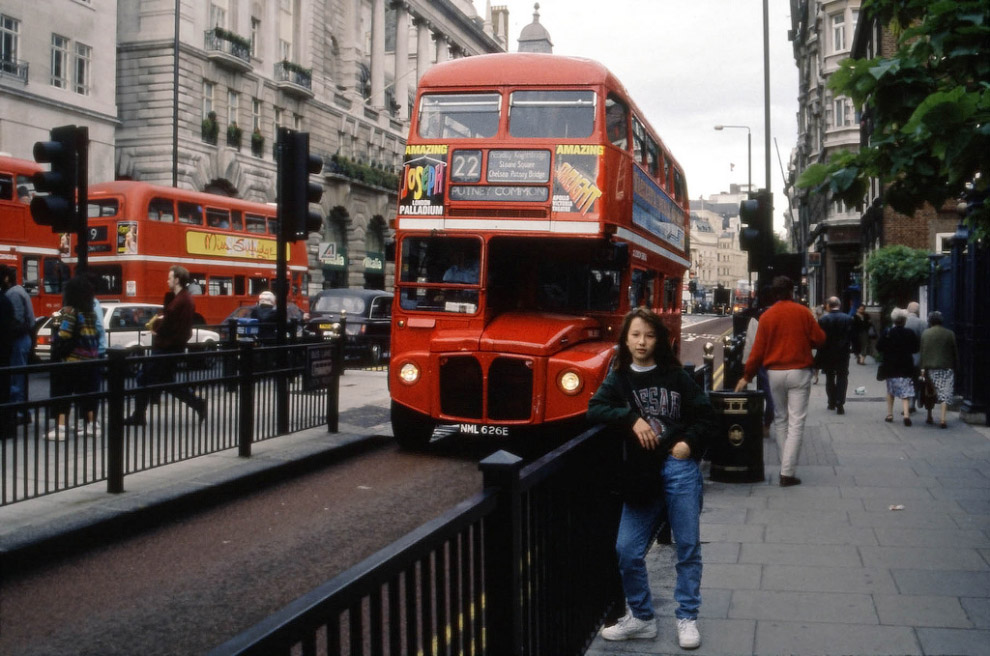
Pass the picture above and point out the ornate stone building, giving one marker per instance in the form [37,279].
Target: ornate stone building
[827,231]
[57,68]
[202,88]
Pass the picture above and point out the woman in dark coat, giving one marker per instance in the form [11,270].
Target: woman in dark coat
[897,346]
[861,335]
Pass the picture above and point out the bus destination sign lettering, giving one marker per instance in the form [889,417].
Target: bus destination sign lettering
[499,193]
[530,166]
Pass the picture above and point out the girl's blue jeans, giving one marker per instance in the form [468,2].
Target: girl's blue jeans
[683,499]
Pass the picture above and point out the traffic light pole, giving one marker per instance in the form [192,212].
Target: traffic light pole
[82,200]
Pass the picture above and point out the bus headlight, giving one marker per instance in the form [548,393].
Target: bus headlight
[409,373]
[570,382]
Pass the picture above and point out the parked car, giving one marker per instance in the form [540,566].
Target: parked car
[369,320]
[126,326]
[292,313]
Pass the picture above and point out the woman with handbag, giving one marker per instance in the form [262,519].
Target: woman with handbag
[77,339]
[649,393]
[939,357]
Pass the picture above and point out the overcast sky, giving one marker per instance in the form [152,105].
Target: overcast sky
[688,66]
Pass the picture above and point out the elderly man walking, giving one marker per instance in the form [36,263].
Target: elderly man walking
[785,337]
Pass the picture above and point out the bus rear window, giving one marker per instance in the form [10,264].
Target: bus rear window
[560,114]
[105,207]
[459,116]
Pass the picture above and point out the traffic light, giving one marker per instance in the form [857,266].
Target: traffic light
[295,192]
[58,208]
[756,237]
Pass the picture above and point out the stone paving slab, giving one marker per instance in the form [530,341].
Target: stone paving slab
[826,639]
[804,578]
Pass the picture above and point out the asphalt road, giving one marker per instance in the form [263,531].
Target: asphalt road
[191,584]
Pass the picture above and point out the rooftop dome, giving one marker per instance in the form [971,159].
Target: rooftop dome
[534,37]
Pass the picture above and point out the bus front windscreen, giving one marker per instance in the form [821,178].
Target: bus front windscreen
[440,274]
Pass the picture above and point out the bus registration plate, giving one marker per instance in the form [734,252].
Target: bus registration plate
[481,429]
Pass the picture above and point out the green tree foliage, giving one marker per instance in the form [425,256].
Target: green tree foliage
[896,272]
[929,107]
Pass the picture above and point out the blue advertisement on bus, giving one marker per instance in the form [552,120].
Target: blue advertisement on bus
[655,211]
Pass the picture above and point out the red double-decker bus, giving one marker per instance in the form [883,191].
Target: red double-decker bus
[31,249]
[138,230]
[537,207]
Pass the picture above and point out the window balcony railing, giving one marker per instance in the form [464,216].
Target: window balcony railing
[292,77]
[14,68]
[228,47]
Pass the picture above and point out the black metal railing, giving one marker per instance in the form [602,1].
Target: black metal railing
[286,71]
[252,393]
[220,40]
[15,68]
[491,576]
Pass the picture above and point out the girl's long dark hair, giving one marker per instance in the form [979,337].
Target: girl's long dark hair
[664,352]
[78,294]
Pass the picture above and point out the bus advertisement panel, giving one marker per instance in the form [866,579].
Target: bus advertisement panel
[537,207]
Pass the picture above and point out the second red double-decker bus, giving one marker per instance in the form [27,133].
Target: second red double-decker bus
[537,207]
[138,230]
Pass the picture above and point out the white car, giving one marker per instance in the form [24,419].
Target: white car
[126,325]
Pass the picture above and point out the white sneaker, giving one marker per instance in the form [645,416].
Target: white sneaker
[58,433]
[687,634]
[630,628]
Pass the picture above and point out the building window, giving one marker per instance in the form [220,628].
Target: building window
[60,61]
[233,100]
[208,88]
[9,29]
[218,16]
[296,122]
[255,35]
[838,33]
[284,49]
[841,111]
[255,115]
[84,59]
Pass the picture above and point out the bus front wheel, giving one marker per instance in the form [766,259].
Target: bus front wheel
[412,430]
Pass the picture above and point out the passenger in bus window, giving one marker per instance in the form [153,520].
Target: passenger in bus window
[24,194]
[464,269]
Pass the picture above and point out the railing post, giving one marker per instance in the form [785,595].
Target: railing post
[245,399]
[503,555]
[333,389]
[116,402]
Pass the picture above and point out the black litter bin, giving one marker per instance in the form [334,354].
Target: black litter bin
[736,449]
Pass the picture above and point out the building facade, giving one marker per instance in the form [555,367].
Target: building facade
[827,231]
[716,257]
[58,68]
[203,88]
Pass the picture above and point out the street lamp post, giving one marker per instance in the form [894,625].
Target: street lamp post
[749,152]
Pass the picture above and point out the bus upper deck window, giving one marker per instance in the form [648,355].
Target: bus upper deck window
[6,186]
[254,223]
[217,218]
[236,222]
[160,209]
[459,116]
[617,122]
[546,114]
[190,213]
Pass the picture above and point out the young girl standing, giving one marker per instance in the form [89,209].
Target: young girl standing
[649,392]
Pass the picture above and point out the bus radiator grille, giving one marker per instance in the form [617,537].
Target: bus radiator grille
[510,390]
[461,388]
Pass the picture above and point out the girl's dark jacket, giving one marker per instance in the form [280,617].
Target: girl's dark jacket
[669,395]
